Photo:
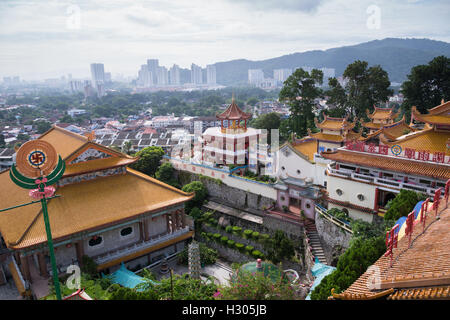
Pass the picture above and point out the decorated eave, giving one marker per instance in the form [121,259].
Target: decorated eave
[330,123]
[391,131]
[381,113]
[233,112]
[439,115]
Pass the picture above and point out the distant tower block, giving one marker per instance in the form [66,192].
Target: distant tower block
[194,260]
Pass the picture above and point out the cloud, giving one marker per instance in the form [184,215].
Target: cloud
[283,5]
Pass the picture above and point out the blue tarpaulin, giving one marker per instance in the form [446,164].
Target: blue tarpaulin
[126,278]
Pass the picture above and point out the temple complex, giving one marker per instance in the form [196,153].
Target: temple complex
[366,174]
[105,210]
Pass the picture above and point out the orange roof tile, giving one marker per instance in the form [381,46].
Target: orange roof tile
[334,123]
[427,139]
[427,260]
[95,165]
[327,137]
[307,147]
[381,113]
[390,163]
[439,115]
[233,112]
[83,206]
[65,142]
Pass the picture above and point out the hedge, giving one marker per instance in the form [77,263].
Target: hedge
[248,233]
[229,229]
[257,254]
[209,235]
[237,230]
[239,246]
[217,236]
[249,249]
[230,243]
[255,235]
[263,237]
[224,239]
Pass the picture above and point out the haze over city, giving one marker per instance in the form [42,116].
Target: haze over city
[42,39]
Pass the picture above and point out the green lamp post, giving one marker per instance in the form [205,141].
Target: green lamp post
[37,168]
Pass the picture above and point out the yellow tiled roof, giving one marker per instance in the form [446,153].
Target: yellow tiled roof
[428,139]
[438,115]
[65,142]
[327,137]
[382,113]
[95,165]
[306,147]
[83,206]
[334,123]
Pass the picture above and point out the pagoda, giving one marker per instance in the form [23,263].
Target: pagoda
[231,142]
[333,133]
[379,118]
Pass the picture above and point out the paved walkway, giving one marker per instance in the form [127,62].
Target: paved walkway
[9,291]
[233,212]
[39,285]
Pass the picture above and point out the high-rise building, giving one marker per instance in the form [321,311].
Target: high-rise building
[211,74]
[153,65]
[162,76]
[97,73]
[196,74]
[280,75]
[145,78]
[174,75]
[255,76]
[107,76]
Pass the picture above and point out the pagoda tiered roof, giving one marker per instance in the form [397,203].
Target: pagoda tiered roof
[381,113]
[233,112]
[334,124]
[89,203]
[418,272]
[439,115]
[392,131]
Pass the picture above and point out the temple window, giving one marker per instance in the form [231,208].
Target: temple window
[360,197]
[339,192]
[95,241]
[283,168]
[126,231]
[298,171]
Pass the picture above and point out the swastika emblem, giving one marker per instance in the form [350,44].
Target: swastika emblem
[36,158]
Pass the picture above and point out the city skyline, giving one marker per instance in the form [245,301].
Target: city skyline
[65,37]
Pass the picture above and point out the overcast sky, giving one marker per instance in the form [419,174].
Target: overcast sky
[50,38]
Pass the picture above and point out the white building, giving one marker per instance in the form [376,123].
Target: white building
[97,73]
[162,76]
[280,75]
[211,74]
[255,76]
[196,74]
[145,77]
[153,65]
[174,75]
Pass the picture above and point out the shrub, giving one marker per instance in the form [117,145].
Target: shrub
[249,249]
[263,237]
[229,229]
[279,248]
[207,255]
[237,230]
[240,246]
[224,240]
[230,243]
[255,235]
[209,235]
[216,237]
[207,215]
[203,235]
[200,194]
[248,233]
[212,221]
[403,204]
[257,254]
[195,213]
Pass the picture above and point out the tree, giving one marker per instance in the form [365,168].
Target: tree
[365,88]
[43,126]
[403,204]
[23,137]
[427,85]
[299,91]
[337,97]
[280,247]
[126,147]
[200,194]
[268,121]
[165,173]
[149,160]
[363,252]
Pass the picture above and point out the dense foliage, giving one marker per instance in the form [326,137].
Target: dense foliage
[207,255]
[149,160]
[403,204]
[200,194]
[255,286]
[165,173]
[427,85]
[362,253]
[279,247]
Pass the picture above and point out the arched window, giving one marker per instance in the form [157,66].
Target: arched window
[95,241]
[126,231]
[360,197]
[339,192]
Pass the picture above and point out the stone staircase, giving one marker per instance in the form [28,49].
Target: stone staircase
[314,241]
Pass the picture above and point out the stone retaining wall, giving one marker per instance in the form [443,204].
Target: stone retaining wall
[333,238]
